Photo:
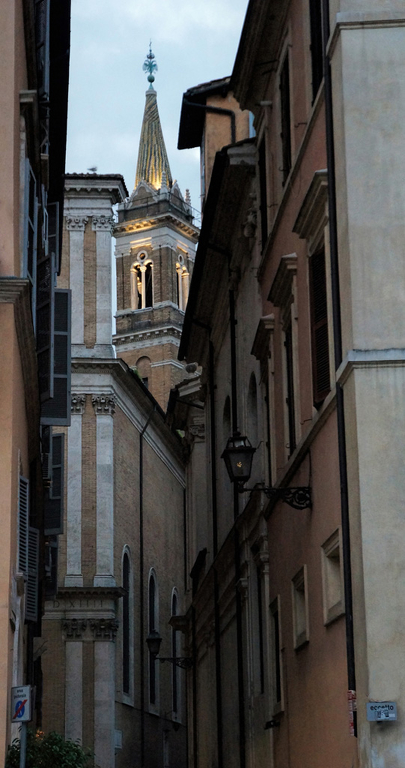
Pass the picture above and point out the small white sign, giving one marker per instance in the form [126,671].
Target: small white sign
[21,704]
[381,711]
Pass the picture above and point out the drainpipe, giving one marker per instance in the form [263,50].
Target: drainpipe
[141,586]
[337,334]
[217,631]
[238,597]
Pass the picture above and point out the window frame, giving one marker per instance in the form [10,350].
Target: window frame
[332,610]
[299,595]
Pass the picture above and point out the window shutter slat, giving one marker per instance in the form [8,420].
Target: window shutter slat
[56,411]
[53,519]
[23,524]
[319,328]
[31,594]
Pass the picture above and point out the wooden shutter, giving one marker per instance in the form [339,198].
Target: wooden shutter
[30,234]
[53,514]
[51,567]
[288,343]
[56,411]
[319,328]
[31,592]
[23,524]
[45,323]
[53,233]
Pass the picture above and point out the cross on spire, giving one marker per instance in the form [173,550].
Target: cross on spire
[150,66]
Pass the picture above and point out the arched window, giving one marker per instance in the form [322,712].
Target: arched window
[252,419]
[183,280]
[153,625]
[175,654]
[226,421]
[141,282]
[143,366]
[127,627]
[125,623]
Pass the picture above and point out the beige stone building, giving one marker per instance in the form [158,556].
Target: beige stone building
[294,314]
[33,106]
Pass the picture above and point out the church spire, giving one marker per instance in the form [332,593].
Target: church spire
[152,156]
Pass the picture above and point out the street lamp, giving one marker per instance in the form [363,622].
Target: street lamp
[153,642]
[238,457]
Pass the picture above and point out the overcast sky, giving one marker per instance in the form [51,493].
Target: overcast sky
[194,41]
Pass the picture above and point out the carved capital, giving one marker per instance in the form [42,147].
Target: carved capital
[74,628]
[196,430]
[102,223]
[104,629]
[78,404]
[76,223]
[104,405]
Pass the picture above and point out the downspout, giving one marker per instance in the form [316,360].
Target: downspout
[337,335]
[218,676]
[238,597]
[141,587]
[216,111]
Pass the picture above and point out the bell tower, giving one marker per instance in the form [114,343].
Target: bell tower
[155,251]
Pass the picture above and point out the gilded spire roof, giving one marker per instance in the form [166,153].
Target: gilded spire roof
[152,156]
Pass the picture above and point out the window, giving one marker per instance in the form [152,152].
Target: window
[332,578]
[141,282]
[125,623]
[300,608]
[175,654]
[153,625]
[183,278]
[315,14]
[283,294]
[276,655]
[263,191]
[285,110]
[289,367]
[144,369]
[30,234]
[319,327]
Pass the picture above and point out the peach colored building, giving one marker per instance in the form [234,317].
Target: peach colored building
[33,107]
[294,314]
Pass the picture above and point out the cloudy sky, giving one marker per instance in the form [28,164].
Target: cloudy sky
[193,41]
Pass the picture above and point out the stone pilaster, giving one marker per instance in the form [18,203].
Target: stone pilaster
[74,576]
[104,407]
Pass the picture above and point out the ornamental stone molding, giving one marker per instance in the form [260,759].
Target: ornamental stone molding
[76,223]
[78,404]
[104,405]
[196,430]
[104,629]
[74,628]
[102,223]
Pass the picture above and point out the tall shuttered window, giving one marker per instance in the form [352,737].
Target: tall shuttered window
[53,505]
[175,653]
[285,118]
[315,14]
[288,345]
[56,411]
[319,327]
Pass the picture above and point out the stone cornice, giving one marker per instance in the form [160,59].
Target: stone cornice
[280,290]
[137,225]
[370,358]
[87,593]
[95,185]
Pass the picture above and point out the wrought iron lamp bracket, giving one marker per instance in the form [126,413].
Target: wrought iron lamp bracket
[184,662]
[298,497]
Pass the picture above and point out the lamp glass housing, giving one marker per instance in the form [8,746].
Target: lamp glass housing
[153,641]
[238,457]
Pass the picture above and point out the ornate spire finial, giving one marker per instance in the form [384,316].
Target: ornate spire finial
[150,66]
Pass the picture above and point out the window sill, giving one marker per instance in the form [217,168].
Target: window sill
[334,613]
